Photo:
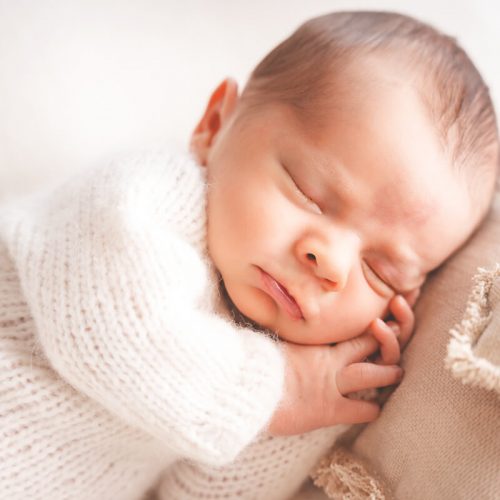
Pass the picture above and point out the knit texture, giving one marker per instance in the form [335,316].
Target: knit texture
[272,468]
[114,363]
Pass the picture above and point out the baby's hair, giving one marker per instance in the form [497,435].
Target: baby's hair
[304,69]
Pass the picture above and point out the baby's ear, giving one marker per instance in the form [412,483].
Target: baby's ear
[220,107]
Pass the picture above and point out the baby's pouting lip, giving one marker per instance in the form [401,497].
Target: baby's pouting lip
[281,295]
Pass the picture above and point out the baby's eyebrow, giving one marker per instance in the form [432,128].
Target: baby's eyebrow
[390,209]
[414,215]
[337,185]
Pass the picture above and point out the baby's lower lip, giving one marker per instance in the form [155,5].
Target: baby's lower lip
[280,294]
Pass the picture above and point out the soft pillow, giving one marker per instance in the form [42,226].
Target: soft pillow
[438,436]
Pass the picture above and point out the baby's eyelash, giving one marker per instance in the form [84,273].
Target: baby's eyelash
[304,195]
[378,278]
[306,198]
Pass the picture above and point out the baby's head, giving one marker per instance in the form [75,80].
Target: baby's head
[361,154]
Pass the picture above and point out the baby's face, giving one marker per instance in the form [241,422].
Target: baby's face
[313,232]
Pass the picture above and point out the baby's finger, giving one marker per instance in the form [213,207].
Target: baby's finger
[356,411]
[403,314]
[387,336]
[357,349]
[360,376]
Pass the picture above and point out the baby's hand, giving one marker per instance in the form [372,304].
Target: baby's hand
[393,335]
[318,379]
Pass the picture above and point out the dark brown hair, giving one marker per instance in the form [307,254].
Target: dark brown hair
[302,70]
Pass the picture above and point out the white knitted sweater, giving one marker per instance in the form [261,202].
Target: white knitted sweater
[114,365]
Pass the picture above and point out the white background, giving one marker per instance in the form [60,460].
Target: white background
[84,80]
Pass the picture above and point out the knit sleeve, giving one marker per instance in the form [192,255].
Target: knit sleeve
[120,296]
[270,468]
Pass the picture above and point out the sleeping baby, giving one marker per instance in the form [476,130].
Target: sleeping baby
[197,325]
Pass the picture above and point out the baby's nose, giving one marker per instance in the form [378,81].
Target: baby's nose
[330,260]
[328,285]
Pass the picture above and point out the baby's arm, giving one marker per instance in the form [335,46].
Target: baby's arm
[121,303]
[270,468]
[119,296]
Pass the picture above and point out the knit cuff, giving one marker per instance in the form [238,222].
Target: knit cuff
[245,406]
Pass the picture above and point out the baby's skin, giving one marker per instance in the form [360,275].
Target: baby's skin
[322,230]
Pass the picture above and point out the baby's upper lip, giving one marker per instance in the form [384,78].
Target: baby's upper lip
[307,302]
[307,307]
